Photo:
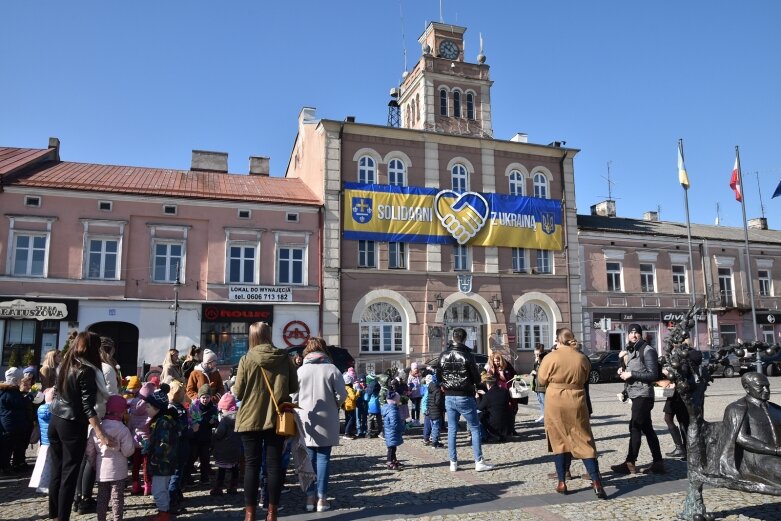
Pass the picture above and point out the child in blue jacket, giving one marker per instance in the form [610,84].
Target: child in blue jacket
[394,428]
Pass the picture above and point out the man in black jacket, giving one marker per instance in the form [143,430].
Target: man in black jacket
[494,406]
[458,375]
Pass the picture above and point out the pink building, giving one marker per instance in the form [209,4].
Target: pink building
[107,248]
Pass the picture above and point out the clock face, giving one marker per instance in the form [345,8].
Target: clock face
[448,49]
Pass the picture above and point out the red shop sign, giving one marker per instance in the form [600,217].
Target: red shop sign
[295,333]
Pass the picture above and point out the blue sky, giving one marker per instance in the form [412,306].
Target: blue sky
[144,83]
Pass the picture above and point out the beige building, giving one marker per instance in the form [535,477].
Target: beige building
[393,298]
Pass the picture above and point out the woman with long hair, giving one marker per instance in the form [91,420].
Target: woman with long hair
[564,372]
[503,371]
[263,367]
[49,368]
[192,359]
[80,392]
[171,370]
[320,398]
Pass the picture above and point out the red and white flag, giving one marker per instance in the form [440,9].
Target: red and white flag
[735,182]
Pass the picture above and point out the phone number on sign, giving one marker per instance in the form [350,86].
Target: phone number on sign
[280,297]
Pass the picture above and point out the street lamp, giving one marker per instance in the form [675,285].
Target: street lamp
[175,307]
[440,300]
[495,302]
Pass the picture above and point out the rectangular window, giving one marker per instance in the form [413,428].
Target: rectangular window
[729,334]
[168,258]
[245,214]
[647,278]
[519,260]
[102,259]
[679,278]
[291,217]
[613,276]
[366,254]
[241,263]
[19,336]
[169,209]
[765,284]
[461,260]
[33,201]
[726,295]
[376,338]
[544,264]
[768,335]
[105,206]
[29,256]
[397,253]
[290,265]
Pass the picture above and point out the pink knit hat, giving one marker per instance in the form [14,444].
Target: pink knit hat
[116,407]
[227,402]
[146,390]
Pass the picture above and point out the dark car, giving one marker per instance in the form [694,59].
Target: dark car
[604,367]
[771,365]
[728,370]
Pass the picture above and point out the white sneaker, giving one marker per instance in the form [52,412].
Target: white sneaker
[453,466]
[480,466]
[540,419]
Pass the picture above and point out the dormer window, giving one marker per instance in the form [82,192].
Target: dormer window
[443,102]
[456,104]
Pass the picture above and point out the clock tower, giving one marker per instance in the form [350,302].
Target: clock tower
[444,93]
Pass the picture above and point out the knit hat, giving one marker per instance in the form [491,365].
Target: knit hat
[204,390]
[157,399]
[154,380]
[347,378]
[133,383]
[30,370]
[351,372]
[146,390]
[635,327]
[116,407]
[227,402]
[13,376]
[176,387]
[392,398]
[209,356]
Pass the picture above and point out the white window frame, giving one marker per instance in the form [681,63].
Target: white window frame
[767,281]
[17,228]
[677,276]
[531,330]
[516,181]
[646,277]
[102,230]
[728,296]
[459,175]
[519,263]
[367,173]
[541,185]
[30,249]
[619,273]
[292,241]
[291,261]
[543,261]
[388,333]
[397,251]
[33,201]
[169,264]
[397,172]
[255,261]
[462,257]
[168,230]
[173,206]
[103,253]
[365,250]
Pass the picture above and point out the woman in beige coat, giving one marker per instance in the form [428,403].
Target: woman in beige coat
[567,426]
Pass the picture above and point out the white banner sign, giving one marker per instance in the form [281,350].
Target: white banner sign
[37,310]
[260,294]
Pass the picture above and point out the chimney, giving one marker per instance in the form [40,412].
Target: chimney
[258,165]
[520,137]
[54,142]
[651,216]
[759,223]
[206,161]
[606,208]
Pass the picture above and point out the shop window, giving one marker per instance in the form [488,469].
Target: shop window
[19,337]
[228,340]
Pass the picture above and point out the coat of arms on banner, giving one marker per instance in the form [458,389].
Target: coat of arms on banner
[362,209]
[463,215]
[548,223]
[465,283]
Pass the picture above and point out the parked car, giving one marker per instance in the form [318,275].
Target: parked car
[719,368]
[604,367]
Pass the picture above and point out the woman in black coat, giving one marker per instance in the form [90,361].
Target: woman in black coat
[79,391]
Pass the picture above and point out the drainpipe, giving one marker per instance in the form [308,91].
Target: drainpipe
[566,236]
[321,227]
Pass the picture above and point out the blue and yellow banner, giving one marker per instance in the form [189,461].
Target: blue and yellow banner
[429,215]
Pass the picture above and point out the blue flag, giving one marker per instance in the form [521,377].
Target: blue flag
[778,191]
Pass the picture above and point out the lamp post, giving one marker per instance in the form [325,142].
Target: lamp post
[175,307]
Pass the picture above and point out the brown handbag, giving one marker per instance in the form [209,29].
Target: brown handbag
[286,422]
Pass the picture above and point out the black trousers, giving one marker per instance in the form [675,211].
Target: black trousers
[67,443]
[640,425]
[255,443]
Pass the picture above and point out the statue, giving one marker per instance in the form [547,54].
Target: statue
[742,452]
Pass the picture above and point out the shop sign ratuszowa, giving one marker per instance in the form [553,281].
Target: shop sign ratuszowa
[22,309]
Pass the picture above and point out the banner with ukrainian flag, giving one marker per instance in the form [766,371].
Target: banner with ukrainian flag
[429,215]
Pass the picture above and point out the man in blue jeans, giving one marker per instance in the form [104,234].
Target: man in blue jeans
[458,376]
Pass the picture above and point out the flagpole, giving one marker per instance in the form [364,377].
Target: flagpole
[691,255]
[748,255]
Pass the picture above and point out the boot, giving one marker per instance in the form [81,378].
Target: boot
[161,516]
[249,512]
[234,483]
[217,488]
[271,515]
[678,453]
[137,489]
[561,488]
[598,490]
[626,467]
[657,467]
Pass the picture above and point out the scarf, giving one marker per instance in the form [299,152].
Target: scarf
[102,395]
[317,357]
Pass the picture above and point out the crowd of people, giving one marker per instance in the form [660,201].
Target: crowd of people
[95,427]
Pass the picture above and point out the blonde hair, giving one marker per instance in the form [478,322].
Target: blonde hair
[566,337]
[502,364]
[259,333]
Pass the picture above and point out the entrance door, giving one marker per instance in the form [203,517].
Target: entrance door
[125,338]
[615,341]
[466,316]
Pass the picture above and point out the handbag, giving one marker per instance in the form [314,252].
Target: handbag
[285,424]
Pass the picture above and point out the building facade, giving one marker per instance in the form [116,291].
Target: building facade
[403,264]
[638,271]
[154,257]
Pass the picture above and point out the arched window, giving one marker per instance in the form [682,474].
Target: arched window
[367,170]
[443,102]
[516,182]
[397,172]
[417,107]
[540,185]
[466,316]
[459,178]
[470,105]
[407,112]
[381,329]
[534,327]
[456,104]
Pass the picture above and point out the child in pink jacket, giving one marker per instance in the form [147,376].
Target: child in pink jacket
[110,464]
[139,426]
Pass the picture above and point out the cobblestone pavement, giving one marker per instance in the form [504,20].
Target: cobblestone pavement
[518,489]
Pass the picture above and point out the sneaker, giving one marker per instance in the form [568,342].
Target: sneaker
[347,437]
[453,466]
[436,445]
[381,436]
[426,442]
[311,502]
[540,419]
[323,505]
[481,465]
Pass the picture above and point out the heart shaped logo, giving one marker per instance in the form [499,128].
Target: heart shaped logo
[463,215]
